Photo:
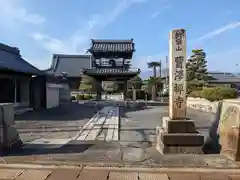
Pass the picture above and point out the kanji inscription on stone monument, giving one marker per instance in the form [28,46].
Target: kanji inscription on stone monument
[177,74]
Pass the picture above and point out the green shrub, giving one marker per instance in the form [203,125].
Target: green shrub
[80,97]
[218,93]
[87,97]
[195,94]
[73,98]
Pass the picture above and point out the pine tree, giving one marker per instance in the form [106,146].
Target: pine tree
[197,74]
[87,84]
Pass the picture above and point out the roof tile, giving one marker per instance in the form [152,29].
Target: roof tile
[111,71]
[11,61]
[112,46]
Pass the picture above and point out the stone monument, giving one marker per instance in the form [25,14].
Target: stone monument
[178,134]
[9,136]
[229,129]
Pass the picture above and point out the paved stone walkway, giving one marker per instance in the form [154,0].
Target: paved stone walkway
[79,174]
[103,126]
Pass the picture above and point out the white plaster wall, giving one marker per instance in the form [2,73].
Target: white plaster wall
[52,91]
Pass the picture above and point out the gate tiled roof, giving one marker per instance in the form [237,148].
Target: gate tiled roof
[111,71]
[112,46]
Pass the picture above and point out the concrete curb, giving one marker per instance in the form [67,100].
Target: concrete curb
[120,169]
[39,166]
[164,170]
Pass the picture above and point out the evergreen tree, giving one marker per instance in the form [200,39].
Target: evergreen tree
[87,84]
[154,65]
[197,74]
[135,82]
[153,86]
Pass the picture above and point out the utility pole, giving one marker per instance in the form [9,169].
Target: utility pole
[167,74]
[160,69]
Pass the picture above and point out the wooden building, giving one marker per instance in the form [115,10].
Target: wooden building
[111,61]
[20,82]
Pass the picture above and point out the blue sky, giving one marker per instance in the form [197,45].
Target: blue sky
[43,27]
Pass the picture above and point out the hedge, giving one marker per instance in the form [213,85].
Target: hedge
[73,98]
[215,93]
[140,94]
[83,97]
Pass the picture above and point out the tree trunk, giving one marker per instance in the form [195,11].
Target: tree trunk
[154,71]
[160,76]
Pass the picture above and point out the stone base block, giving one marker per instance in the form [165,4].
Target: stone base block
[7,112]
[10,140]
[12,146]
[184,143]
[178,126]
[230,143]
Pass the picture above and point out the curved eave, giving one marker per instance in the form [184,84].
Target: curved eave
[94,73]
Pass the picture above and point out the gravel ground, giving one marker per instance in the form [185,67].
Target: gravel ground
[141,125]
[62,122]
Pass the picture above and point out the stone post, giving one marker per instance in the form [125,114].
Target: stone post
[125,90]
[9,136]
[99,90]
[134,95]
[177,134]
[177,75]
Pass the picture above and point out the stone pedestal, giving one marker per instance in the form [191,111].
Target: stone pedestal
[9,137]
[178,136]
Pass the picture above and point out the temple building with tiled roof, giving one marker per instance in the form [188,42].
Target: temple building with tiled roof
[71,65]
[21,83]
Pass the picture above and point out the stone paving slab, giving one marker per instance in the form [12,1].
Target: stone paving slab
[82,174]
[10,173]
[34,174]
[107,117]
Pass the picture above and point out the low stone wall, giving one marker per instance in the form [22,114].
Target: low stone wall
[9,137]
[226,128]
[205,105]
[116,97]
[202,105]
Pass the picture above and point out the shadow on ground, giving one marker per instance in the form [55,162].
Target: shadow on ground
[47,149]
[212,145]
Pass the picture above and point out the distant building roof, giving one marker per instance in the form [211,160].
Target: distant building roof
[70,64]
[224,77]
[10,59]
[218,77]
